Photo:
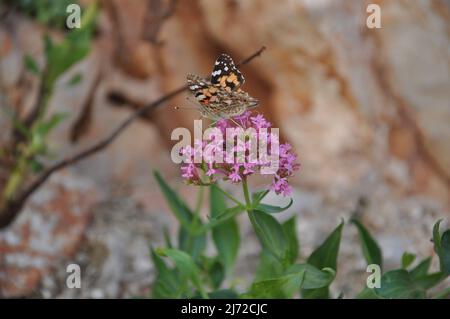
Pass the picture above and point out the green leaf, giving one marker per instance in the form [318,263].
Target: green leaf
[31,65]
[185,265]
[443,294]
[269,266]
[430,280]
[20,127]
[223,294]
[407,259]
[178,207]
[296,277]
[280,288]
[192,244]
[74,47]
[314,278]
[226,235]
[326,254]
[43,128]
[421,269]
[269,209]
[216,273]
[442,247]
[258,196]
[367,293]
[167,283]
[222,218]
[35,165]
[187,239]
[50,12]
[290,231]
[445,252]
[167,239]
[214,269]
[371,251]
[437,237]
[270,233]
[398,284]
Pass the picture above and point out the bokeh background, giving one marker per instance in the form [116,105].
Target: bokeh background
[367,111]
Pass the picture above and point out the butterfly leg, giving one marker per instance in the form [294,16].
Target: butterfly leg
[213,123]
[236,123]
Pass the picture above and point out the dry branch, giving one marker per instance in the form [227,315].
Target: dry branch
[14,206]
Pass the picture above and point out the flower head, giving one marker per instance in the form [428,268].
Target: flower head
[234,160]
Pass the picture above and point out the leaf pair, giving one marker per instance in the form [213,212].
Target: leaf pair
[188,240]
[297,276]
[279,240]
[325,257]
[169,284]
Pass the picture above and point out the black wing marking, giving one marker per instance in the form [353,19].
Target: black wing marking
[225,73]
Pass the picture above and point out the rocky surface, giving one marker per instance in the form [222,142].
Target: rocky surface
[367,110]
[47,232]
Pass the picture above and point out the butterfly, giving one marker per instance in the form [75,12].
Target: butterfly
[221,97]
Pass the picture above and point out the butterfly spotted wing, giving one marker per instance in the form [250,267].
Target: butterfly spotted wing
[215,101]
[226,75]
[203,91]
[221,97]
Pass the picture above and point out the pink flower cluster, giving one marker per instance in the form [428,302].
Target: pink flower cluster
[209,168]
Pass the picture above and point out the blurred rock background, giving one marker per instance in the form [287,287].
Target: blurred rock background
[367,111]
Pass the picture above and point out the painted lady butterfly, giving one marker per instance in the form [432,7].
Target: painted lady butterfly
[221,97]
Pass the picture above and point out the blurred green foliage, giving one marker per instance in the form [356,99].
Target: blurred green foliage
[49,12]
[59,58]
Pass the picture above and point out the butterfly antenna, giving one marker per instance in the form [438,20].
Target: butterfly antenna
[184,108]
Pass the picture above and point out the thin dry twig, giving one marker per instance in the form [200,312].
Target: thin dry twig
[13,207]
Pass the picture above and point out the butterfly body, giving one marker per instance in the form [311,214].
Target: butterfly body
[221,97]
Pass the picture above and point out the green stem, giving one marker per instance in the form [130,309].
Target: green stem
[195,218]
[198,204]
[19,172]
[250,212]
[248,202]
[15,179]
[230,196]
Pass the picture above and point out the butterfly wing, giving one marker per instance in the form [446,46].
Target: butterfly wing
[200,88]
[226,74]
[204,92]
[221,97]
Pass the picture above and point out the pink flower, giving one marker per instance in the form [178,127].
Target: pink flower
[211,171]
[189,171]
[234,175]
[241,161]
[248,169]
[260,122]
[281,186]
